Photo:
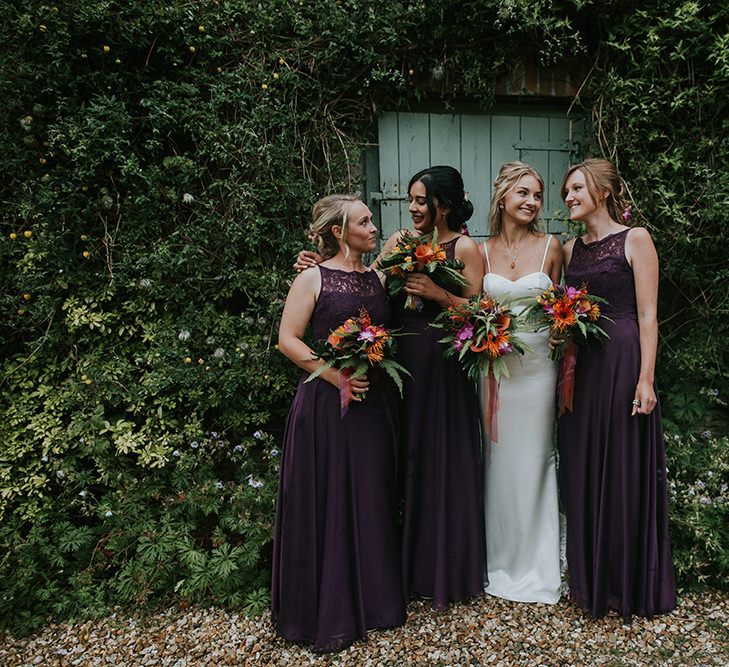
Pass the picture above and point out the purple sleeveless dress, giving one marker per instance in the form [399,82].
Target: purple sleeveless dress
[336,554]
[443,526]
[612,468]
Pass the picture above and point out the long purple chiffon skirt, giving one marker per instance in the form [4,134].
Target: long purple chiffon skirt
[336,557]
[613,488]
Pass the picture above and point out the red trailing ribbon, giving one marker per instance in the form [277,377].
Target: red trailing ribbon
[491,406]
[345,391]
[566,381]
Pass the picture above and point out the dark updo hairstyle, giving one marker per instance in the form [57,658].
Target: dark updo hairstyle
[446,185]
[601,177]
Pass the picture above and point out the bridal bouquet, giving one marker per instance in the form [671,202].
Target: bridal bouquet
[481,334]
[423,255]
[355,347]
[572,314]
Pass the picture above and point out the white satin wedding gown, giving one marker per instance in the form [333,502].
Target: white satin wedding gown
[522,516]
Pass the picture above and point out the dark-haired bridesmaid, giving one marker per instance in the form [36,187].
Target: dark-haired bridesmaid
[612,455]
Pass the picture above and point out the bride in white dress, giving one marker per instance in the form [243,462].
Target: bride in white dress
[522,516]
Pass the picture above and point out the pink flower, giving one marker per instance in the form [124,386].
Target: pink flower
[465,332]
[367,335]
[628,213]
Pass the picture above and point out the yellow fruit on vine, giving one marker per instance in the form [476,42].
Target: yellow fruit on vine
[281,61]
[117,61]
[13,236]
[192,49]
[86,254]
[54,10]
[264,86]
[42,28]
[201,28]
[275,75]
[187,360]
[106,48]
[26,296]
[27,233]
[87,381]
[218,69]
[84,237]
[276,347]
[42,160]
[21,311]
[411,72]
[84,378]
[85,188]
[201,361]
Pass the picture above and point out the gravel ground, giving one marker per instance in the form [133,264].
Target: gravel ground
[486,631]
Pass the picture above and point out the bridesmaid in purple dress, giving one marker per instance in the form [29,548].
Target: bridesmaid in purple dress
[444,552]
[612,455]
[336,553]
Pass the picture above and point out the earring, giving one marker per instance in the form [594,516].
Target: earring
[501,206]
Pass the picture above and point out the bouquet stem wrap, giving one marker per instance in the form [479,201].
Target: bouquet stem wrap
[566,381]
[491,406]
[345,391]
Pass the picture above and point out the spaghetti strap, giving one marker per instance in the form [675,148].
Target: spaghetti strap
[546,248]
[486,252]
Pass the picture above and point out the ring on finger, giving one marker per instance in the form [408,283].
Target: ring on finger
[636,402]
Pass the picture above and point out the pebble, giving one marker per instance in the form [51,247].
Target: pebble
[484,631]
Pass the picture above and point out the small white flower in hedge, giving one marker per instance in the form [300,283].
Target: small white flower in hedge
[691,492]
[274,452]
[145,283]
[713,392]
[60,474]
[710,473]
[184,335]
[187,198]
[700,484]
[194,444]
[108,513]
[177,452]
[706,434]
[218,485]
[704,500]
[255,483]
[238,449]
[107,202]
[219,353]
[214,434]
[724,488]
[82,494]
[258,435]
[44,459]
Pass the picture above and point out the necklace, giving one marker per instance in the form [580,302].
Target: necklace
[508,249]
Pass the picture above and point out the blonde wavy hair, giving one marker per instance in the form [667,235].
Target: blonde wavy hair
[602,176]
[330,211]
[508,177]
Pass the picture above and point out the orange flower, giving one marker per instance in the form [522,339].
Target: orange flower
[594,313]
[335,339]
[502,322]
[426,253]
[375,353]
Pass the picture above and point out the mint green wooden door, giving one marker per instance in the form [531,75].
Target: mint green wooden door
[477,146]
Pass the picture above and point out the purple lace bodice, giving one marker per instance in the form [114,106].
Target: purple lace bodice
[342,295]
[603,267]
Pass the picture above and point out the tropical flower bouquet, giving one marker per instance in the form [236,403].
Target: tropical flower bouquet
[482,334]
[355,347]
[572,314]
[419,254]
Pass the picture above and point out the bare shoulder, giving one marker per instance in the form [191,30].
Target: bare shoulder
[307,282]
[639,235]
[466,245]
